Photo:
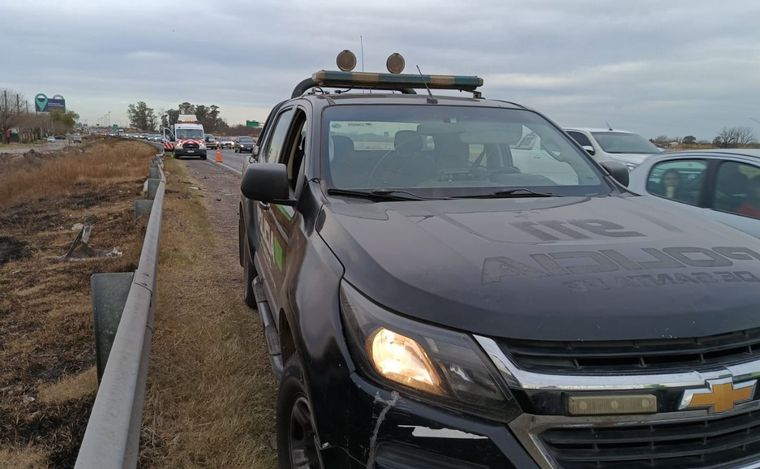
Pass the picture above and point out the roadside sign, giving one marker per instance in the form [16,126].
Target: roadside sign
[44,104]
[114,128]
[252,123]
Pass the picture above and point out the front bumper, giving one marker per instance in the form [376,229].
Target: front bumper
[190,152]
[390,431]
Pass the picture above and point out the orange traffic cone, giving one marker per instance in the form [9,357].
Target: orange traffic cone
[218,155]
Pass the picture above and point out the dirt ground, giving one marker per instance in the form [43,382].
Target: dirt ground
[211,393]
[47,378]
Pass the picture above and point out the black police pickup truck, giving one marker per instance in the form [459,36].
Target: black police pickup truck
[436,295]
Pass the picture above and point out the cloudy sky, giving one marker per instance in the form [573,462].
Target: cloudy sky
[657,67]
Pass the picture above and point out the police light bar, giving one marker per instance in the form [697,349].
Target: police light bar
[393,81]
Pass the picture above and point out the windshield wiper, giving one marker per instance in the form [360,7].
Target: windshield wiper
[507,193]
[379,194]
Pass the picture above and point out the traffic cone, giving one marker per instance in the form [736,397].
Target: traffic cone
[218,155]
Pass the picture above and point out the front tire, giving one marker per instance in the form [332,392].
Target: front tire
[297,442]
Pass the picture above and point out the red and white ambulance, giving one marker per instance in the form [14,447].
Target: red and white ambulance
[189,137]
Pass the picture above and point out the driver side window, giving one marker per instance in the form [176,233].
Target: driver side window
[274,144]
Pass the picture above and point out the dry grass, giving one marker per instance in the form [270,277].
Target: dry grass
[46,335]
[75,386]
[211,393]
[26,178]
[22,458]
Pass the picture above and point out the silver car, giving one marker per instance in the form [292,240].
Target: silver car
[626,147]
[723,185]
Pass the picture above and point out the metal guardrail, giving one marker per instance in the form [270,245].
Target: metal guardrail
[112,438]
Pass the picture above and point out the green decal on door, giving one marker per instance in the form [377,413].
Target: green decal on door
[279,256]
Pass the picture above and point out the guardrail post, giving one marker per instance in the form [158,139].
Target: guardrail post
[152,187]
[109,294]
[142,207]
[153,172]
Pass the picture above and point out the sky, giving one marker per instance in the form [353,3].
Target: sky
[671,67]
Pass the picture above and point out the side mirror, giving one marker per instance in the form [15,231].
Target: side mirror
[267,182]
[255,151]
[618,171]
[589,149]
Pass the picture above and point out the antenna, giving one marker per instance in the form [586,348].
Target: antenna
[609,127]
[430,99]
[361,41]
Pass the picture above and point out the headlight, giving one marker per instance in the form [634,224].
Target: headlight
[444,367]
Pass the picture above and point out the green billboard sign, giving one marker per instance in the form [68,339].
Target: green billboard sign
[252,123]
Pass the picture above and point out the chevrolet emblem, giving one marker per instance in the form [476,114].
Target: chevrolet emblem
[721,395]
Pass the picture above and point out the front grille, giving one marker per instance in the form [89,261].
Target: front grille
[633,356]
[190,145]
[704,443]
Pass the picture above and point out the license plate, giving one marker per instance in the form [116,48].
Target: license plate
[191,151]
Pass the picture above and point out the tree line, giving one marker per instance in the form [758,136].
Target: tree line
[145,118]
[726,138]
[16,119]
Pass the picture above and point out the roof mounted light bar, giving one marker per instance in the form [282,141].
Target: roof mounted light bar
[387,81]
[395,81]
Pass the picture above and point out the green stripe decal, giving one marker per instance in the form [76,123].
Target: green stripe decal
[279,256]
[285,210]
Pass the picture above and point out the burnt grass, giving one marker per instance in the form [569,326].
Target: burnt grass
[46,332]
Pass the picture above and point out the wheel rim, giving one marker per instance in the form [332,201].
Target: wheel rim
[301,438]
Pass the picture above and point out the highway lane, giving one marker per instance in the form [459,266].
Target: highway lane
[230,160]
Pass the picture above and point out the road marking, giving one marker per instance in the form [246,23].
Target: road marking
[229,168]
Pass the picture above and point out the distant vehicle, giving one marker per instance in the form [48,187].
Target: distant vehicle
[76,138]
[51,139]
[626,147]
[211,142]
[227,142]
[189,137]
[723,185]
[60,137]
[244,144]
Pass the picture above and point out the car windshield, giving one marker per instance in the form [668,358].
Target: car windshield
[189,133]
[245,140]
[624,142]
[452,151]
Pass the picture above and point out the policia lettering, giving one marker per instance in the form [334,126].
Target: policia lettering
[609,260]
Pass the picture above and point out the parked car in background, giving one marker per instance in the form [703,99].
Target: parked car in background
[76,138]
[211,142]
[50,139]
[626,147]
[227,142]
[723,185]
[244,144]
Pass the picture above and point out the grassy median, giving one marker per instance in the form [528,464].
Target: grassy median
[47,377]
[211,394]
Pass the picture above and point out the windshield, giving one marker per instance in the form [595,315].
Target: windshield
[189,133]
[245,140]
[624,142]
[452,150]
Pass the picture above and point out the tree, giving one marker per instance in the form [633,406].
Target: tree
[661,140]
[63,121]
[186,108]
[734,136]
[689,140]
[12,111]
[141,116]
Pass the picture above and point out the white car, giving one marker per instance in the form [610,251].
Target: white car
[50,139]
[723,185]
[626,147]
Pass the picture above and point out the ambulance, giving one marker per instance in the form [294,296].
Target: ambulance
[189,137]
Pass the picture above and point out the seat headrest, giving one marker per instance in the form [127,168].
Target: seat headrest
[407,141]
[342,144]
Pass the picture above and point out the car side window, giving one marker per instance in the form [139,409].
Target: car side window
[678,180]
[274,144]
[296,148]
[581,139]
[737,189]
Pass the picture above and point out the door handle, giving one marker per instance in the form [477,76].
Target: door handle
[263,205]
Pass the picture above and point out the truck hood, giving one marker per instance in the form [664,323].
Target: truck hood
[570,268]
